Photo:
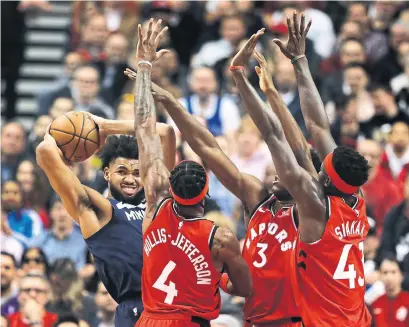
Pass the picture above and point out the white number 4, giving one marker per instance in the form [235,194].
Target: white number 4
[170,289]
[263,248]
[350,274]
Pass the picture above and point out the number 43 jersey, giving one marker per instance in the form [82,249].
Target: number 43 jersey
[329,273]
[178,275]
[270,239]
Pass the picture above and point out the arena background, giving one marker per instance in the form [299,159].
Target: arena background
[358,53]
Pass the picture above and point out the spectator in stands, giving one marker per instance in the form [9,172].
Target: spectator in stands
[84,91]
[125,110]
[252,157]
[37,133]
[68,296]
[378,199]
[351,51]
[34,260]
[8,243]
[286,85]
[62,240]
[389,66]
[160,77]
[67,321]
[9,287]
[387,111]
[232,31]
[13,141]
[391,309]
[122,17]
[111,69]
[395,159]
[221,220]
[34,295]
[221,113]
[371,245]
[61,106]
[400,83]
[45,99]
[395,235]
[376,43]
[25,224]
[106,305]
[93,37]
[32,179]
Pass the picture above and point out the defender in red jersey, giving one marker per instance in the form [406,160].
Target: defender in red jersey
[327,269]
[184,254]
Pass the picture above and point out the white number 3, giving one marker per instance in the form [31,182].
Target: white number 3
[350,274]
[170,290]
[263,248]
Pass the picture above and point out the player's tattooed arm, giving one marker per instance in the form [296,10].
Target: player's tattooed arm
[255,105]
[226,253]
[316,119]
[154,173]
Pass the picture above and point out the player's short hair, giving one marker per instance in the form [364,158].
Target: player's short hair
[316,160]
[188,180]
[119,146]
[351,166]
[12,257]
[67,318]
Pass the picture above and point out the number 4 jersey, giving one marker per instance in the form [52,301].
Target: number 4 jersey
[329,274]
[178,275]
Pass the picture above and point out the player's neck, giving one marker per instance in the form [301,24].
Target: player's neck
[189,212]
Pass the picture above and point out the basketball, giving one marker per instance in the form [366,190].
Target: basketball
[76,135]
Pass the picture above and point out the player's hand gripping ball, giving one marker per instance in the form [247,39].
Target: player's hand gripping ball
[76,135]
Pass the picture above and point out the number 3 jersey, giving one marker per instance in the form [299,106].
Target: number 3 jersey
[329,274]
[178,275]
[267,250]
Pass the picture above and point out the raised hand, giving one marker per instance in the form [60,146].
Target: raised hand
[160,94]
[243,56]
[263,72]
[130,73]
[297,34]
[149,41]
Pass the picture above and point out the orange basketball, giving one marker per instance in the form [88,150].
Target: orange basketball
[76,135]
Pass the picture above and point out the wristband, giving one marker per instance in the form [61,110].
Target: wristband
[236,68]
[223,282]
[296,58]
[142,62]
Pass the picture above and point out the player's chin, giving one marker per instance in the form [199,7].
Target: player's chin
[282,194]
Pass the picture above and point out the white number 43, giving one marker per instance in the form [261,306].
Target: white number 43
[170,290]
[350,274]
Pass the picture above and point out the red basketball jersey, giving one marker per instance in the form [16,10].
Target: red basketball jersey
[267,250]
[178,275]
[329,274]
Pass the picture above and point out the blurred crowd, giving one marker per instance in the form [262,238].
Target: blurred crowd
[358,53]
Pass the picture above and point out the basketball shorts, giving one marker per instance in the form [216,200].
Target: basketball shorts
[170,320]
[128,313]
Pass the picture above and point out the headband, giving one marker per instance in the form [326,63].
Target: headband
[338,182]
[196,199]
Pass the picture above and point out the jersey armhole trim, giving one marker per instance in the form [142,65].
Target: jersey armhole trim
[293,214]
[327,208]
[161,204]
[262,203]
[211,236]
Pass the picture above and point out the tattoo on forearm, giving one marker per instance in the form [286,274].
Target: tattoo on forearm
[144,103]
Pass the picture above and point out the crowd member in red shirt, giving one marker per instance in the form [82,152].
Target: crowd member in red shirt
[378,199]
[34,295]
[391,309]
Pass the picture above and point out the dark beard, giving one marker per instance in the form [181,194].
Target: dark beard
[134,200]
[283,196]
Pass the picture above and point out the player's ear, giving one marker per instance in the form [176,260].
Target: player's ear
[106,174]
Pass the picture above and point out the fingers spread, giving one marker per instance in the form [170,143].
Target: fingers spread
[308,28]
[150,29]
[302,27]
[295,22]
[156,30]
[160,35]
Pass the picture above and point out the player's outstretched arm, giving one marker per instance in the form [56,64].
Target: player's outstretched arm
[226,252]
[75,197]
[316,119]
[255,105]
[166,133]
[154,173]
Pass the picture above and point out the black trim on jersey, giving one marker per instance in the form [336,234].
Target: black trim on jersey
[260,204]
[211,238]
[327,208]
[160,206]
[200,321]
